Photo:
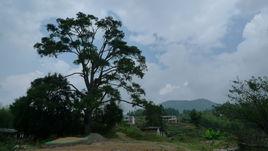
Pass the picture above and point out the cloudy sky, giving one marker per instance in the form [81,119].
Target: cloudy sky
[194,48]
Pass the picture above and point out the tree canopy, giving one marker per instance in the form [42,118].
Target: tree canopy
[49,108]
[248,102]
[108,63]
[153,114]
[6,118]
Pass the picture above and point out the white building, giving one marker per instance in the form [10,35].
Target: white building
[129,119]
[170,119]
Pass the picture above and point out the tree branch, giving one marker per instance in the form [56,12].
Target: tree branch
[77,90]
[80,73]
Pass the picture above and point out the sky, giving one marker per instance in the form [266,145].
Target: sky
[194,48]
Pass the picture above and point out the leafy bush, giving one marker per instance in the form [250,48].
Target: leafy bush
[136,133]
[131,131]
[104,120]
[7,144]
[6,118]
[209,120]
[195,117]
[211,134]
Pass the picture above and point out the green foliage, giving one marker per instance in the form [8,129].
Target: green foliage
[114,61]
[7,144]
[195,117]
[153,115]
[131,131]
[185,132]
[105,120]
[108,62]
[49,108]
[249,102]
[211,134]
[6,118]
[210,120]
[134,132]
[187,135]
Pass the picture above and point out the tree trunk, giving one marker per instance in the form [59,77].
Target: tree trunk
[87,121]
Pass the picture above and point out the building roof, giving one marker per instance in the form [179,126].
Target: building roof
[7,130]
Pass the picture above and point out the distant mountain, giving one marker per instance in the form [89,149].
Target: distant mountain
[198,104]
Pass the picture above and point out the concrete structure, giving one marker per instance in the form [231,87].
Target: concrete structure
[129,119]
[170,119]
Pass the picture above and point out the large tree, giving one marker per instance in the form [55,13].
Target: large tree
[49,108]
[249,102]
[153,114]
[108,62]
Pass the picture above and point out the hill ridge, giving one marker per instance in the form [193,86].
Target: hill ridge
[199,104]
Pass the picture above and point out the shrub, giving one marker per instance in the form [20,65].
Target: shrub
[6,118]
[104,120]
[7,144]
[131,131]
[195,117]
[211,134]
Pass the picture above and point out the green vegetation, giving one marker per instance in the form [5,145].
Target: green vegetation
[105,120]
[135,133]
[6,118]
[195,117]
[187,135]
[108,64]
[7,144]
[249,109]
[153,115]
[211,134]
[49,108]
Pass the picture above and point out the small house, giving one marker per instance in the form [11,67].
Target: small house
[170,119]
[7,132]
[129,120]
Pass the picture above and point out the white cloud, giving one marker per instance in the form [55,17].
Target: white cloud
[210,75]
[168,88]
[146,39]
[188,30]
[185,83]
[55,65]
[15,86]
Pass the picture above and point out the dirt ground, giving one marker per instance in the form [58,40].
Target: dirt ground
[117,145]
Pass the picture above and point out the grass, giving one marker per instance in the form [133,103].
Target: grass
[188,136]
[7,144]
[185,135]
[135,133]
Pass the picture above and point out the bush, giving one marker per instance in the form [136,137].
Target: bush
[211,134]
[7,144]
[136,133]
[195,117]
[6,118]
[209,120]
[131,131]
[104,120]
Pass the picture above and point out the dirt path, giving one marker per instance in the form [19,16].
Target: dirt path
[117,145]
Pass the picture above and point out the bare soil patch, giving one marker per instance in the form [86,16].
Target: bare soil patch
[117,145]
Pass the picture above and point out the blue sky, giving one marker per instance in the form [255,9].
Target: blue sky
[194,49]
